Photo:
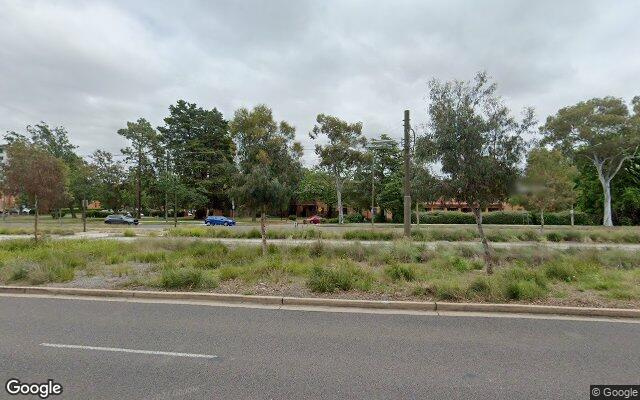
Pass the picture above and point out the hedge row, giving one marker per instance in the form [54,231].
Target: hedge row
[503,218]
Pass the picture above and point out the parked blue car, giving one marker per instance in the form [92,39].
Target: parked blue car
[219,220]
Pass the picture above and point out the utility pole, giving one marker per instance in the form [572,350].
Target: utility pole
[373,190]
[138,183]
[407,176]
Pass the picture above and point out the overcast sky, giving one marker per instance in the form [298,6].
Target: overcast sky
[91,66]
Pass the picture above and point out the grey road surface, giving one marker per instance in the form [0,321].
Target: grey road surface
[284,354]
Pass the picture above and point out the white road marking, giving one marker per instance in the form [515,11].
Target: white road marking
[120,350]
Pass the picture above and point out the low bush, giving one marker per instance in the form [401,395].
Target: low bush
[181,278]
[345,276]
[360,234]
[504,218]
[523,283]
[399,272]
[354,218]
[128,233]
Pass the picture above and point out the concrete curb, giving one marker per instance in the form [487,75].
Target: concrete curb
[339,303]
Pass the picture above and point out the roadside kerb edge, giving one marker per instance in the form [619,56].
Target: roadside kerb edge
[325,302]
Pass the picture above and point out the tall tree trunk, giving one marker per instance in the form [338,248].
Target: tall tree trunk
[35,224]
[488,258]
[253,215]
[417,215]
[175,209]
[166,206]
[605,181]
[263,232]
[572,216]
[541,220]
[72,210]
[606,187]
[339,195]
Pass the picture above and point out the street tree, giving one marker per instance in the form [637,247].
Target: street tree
[268,160]
[548,182]
[110,179]
[32,172]
[424,187]
[343,152]
[201,148]
[315,185]
[391,197]
[602,130]
[477,143]
[144,142]
[56,141]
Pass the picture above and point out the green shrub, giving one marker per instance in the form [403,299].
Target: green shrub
[555,236]
[524,290]
[18,272]
[361,234]
[343,277]
[354,218]
[56,215]
[399,272]
[253,234]
[50,273]
[528,235]
[228,273]
[175,278]
[98,213]
[293,217]
[561,271]
[461,264]
[209,280]
[523,283]
[447,217]
[480,287]
[448,290]
[379,218]
[128,233]
[452,235]
[152,257]
[506,217]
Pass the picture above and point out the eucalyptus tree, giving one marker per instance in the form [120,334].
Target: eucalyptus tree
[477,142]
[601,129]
[548,182]
[343,152]
[268,159]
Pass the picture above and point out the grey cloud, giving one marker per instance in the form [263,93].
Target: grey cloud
[91,66]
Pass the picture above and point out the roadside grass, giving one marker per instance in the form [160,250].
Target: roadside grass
[450,272]
[428,234]
[5,230]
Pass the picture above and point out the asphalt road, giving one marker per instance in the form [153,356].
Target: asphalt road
[284,354]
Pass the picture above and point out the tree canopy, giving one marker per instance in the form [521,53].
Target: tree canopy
[343,152]
[602,130]
[477,142]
